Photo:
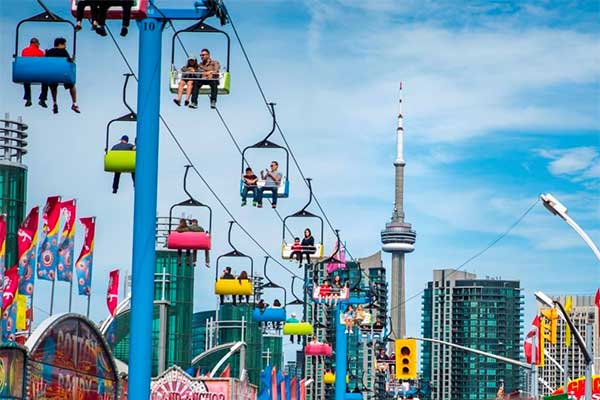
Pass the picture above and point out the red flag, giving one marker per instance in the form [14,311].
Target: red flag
[226,372]
[273,383]
[294,388]
[597,302]
[66,247]
[535,331]
[27,240]
[302,389]
[11,282]
[112,294]
[2,245]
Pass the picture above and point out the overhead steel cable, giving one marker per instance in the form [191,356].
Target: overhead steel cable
[190,162]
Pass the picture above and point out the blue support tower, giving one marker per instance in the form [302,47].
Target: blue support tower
[144,218]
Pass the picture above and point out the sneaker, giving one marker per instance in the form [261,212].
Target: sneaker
[213,104]
[55,109]
[100,30]
[114,191]
[254,203]
[273,205]
[124,31]
[28,103]
[43,103]
[243,203]
[178,102]
[187,103]
[75,108]
[259,205]
[193,105]
[78,27]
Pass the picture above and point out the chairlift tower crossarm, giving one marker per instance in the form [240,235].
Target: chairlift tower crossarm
[149,75]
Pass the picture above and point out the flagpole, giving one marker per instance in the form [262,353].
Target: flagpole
[87,314]
[70,293]
[52,297]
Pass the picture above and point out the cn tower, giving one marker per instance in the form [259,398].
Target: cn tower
[398,238]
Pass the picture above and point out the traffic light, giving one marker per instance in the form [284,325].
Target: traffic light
[406,359]
[549,324]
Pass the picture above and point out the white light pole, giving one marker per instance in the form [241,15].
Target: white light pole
[557,208]
[588,357]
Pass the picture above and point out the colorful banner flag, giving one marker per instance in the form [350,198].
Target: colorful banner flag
[597,302]
[27,241]
[86,257]
[341,256]
[21,320]
[302,389]
[48,251]
[265,384]
[2,247]
[568,306]
[539,345]
[273,383]
[9,315]
[66,248]
[294,388]
[112,293]
[226,372]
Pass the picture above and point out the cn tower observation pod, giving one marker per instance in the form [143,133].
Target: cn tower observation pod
[398,237]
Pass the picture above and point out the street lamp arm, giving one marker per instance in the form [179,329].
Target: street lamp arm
[482,353]
[583,235]
[578,338]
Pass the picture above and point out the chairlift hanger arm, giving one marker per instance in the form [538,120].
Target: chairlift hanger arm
[271,284]
[201,27]
[191,202]
[232,254]
[305,214]
[130,117]
[46,16]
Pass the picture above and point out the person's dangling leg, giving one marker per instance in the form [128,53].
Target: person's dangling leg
[244,195]
[43,95]
[213,92]
[274,197]
[221,299]
[27,94]
[195,91]
[188,257]
[179,255]
[133,178]
[126,17]
[102,10]
[188,92]
[115,185]
[73,93]
[53,92]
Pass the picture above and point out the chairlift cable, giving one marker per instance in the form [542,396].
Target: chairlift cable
[240,151]
[187,157]
[279,128]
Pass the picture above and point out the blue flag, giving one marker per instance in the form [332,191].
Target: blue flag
[265,384]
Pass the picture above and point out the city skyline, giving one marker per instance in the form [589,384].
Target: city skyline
[531,144]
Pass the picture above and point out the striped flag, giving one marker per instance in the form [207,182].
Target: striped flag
[27,240]
[48,251]
[66,248]
[84,263]
[2,247]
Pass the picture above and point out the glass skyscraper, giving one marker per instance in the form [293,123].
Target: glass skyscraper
[483,314]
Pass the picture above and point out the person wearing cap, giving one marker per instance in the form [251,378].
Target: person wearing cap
[188,73]
[209,75]
[123,145]
[33,50]
[293,320]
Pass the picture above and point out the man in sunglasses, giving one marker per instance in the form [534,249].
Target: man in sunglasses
[272,180]
[209,75]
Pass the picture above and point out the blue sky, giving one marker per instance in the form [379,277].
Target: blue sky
[501,102]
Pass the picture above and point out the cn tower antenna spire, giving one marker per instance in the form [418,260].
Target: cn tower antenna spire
[398,237]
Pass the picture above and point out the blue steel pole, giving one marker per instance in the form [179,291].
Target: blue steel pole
[144,217]
[341,350]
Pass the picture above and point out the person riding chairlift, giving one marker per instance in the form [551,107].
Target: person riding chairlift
[99,11]
[308,246]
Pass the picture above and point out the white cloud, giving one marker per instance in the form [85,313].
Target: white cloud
[578,162]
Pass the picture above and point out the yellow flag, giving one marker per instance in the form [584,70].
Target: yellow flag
[21,323]
[568,306]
